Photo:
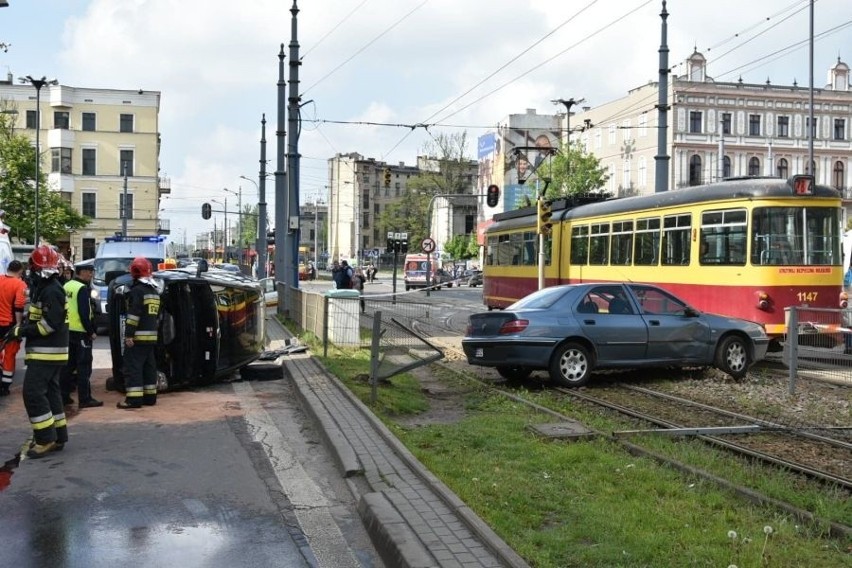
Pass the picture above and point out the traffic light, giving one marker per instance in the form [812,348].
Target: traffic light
[544,215]
[403,246]
[270,237]
[387,177]
[492,196]
[206,211]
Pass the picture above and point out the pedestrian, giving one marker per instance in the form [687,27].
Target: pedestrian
[81,334]
[358,279]
[140,338]
[342,275]
[46,332]
[847,314]
[13,298]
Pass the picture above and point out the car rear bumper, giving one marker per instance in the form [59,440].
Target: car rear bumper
[533,354]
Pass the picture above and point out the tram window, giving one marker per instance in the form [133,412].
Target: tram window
[599,244]
[647,244]
[795,235]
[490,253]
[676,232]
[580,245]
[723,237]
[622,243]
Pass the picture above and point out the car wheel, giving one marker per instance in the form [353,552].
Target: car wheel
[514,373]
[571,365]
[732,356]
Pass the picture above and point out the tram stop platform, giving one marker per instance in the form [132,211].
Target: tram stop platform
[413,519]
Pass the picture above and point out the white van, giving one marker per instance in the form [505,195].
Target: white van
[113,259]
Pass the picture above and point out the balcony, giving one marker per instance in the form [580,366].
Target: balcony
[164,185]
[164,226]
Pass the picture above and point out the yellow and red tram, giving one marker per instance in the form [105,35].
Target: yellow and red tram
[746,248]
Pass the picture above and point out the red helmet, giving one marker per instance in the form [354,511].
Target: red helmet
[45,258]
[140,267]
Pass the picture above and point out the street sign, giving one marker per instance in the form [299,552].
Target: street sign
[427,244]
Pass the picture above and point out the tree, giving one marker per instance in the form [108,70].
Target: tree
[17,191]
[444,171]
[572,171]
[459,247]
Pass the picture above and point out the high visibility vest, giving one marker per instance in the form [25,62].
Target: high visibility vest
[72,292]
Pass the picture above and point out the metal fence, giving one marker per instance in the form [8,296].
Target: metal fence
[821,348]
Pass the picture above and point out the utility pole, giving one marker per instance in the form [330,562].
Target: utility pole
[261,205]
[661,169]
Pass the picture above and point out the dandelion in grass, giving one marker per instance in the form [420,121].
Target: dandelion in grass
[732,535]
[545,475]
[767,530]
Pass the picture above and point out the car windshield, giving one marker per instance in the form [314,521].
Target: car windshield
[542,299]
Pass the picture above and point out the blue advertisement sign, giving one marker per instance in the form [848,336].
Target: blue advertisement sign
[487,145]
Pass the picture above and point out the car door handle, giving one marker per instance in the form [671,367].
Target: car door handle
[589,322]
[654,322]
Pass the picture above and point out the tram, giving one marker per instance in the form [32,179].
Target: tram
[745,248]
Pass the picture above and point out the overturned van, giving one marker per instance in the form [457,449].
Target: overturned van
[211,323]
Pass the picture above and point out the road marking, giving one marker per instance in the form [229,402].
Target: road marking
[310,506]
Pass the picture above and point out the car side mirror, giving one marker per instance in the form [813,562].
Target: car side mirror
[691,312]
[202,267]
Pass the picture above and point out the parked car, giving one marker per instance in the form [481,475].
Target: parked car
[574,329]
[270,294]
[227,267]
[474,278]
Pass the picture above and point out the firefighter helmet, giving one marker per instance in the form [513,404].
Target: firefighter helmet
[45,259]
[140,267]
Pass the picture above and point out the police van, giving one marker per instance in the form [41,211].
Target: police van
[113,259]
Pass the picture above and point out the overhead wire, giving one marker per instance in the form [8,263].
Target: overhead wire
[333,29]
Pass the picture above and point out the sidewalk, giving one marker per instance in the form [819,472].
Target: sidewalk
[413,519]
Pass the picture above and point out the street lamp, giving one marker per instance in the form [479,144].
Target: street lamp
[568,104]
[38,84]
[239,195]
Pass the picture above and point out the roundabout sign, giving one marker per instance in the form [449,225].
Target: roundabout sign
[428,245]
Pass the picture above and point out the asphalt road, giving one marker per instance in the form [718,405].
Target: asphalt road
[228,475]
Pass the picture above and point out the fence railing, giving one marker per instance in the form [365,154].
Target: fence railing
[820,347]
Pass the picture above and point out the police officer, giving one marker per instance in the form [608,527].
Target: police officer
[46,332]
[140,338]
[81,331]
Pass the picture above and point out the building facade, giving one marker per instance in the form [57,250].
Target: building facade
[723,129]
[91,141]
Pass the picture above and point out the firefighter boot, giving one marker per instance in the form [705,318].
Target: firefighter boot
[37,451]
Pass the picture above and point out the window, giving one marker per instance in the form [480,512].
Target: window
[723,237]
[814,127]
[89,162]
[812,170]
[622,243]
[625,129]
[60,160]
[61,119]
[840,129]
[125,163]
[89,248]
[795,235]
[643,172]
[598,139]
[599,244]
[839,175]
[783,127]
[612,134]
[657,302]
[647,245]
[31,119]
[783,168]
[695,170]
[625,179]
[89,207]
[726,167]
[125,123]
[754,125]
[726,123]
[122,208]
[89,121]
[580,245]
[517,249]
[695,121]
[754,166]
[676,232]
[643,125]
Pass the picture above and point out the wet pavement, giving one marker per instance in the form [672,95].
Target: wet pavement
[228,475]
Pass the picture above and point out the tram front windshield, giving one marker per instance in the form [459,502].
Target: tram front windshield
[807,236]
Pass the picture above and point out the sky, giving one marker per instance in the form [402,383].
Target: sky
[372,69]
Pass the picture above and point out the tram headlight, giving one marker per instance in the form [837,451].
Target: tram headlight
[844,300]
[762,300]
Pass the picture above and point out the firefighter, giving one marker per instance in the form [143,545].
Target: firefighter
[140,338]
[81,330]
[46,332]
[13,298]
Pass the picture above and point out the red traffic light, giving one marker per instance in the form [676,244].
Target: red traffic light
[206,211]
[492,195]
